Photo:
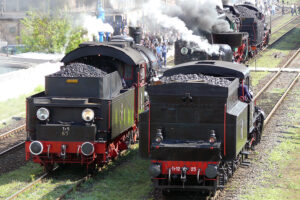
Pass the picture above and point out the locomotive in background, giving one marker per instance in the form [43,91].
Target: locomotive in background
[248,36]
[197,131]
[89,120]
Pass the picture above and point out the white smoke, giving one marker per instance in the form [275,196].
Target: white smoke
[186,17]
[94,26]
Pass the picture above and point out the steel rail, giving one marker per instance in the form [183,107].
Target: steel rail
[15,130]
[281,99]
[71,189]
[12,148]
[279,38]
[27,187]
[276,75]
[284,25]
[30,185]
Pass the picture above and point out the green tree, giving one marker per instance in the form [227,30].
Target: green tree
[50,33]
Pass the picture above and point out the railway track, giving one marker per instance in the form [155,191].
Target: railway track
[30,185]
[72,188]
[12,132]
[3,136]
[13,148]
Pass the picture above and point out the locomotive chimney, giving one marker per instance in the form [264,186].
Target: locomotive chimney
[136,34]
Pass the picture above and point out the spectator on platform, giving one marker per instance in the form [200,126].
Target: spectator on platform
[164,53]
[273,9]
[159,54]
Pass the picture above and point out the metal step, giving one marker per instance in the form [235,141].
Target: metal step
[245,164]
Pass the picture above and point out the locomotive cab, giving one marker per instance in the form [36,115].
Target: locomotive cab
[89,119]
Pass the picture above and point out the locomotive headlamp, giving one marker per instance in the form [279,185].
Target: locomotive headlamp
[184,50]
[212,137]
[211,171]
[159,138]
[36,148]
[42,114]
[88,114]
[87,149]
[155,169]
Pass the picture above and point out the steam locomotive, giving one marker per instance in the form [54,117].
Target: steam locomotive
[248,36]
[89,120]
[197,131]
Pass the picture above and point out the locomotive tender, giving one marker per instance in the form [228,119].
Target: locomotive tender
[89,120]
[195,132]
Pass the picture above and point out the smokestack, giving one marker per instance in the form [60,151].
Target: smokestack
[136,34]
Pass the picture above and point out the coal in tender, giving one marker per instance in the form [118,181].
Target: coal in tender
[79,70]
[219,81]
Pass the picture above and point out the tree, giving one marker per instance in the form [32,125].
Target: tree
[50,34]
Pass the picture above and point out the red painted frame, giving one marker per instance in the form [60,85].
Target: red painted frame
[176,166]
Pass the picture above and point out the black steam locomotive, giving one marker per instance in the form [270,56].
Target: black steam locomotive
[89,120]
[248,36]
[197,129]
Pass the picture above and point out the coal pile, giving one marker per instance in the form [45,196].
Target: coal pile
[79,70]
[252,23]
[197,78]
[247,12]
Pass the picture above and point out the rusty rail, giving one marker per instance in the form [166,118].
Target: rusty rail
[14,131]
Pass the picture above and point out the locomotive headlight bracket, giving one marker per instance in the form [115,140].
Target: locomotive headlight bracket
[42,114]
[159,137]
[88,114]
[212,137]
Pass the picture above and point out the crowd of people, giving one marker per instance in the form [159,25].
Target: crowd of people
[284,6]
[160,44]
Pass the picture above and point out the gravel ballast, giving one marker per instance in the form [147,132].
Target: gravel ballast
[196,77]
[79,70]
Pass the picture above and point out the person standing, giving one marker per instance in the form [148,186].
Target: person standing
[164,53]
[273,9]
[159,54]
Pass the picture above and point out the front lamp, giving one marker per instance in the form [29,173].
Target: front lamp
[212,137]
[88,115]
[184,51]
[159,137]
[42,114]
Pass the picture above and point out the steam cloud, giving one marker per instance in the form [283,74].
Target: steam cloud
[188,18]
[94,26]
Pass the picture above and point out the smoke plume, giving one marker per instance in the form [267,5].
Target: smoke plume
[189,19]
[94,25]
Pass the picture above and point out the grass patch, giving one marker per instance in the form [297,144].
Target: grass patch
[130,180]
[17,105]
[256,77]
[56,184]
[17,179]
[277,91]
